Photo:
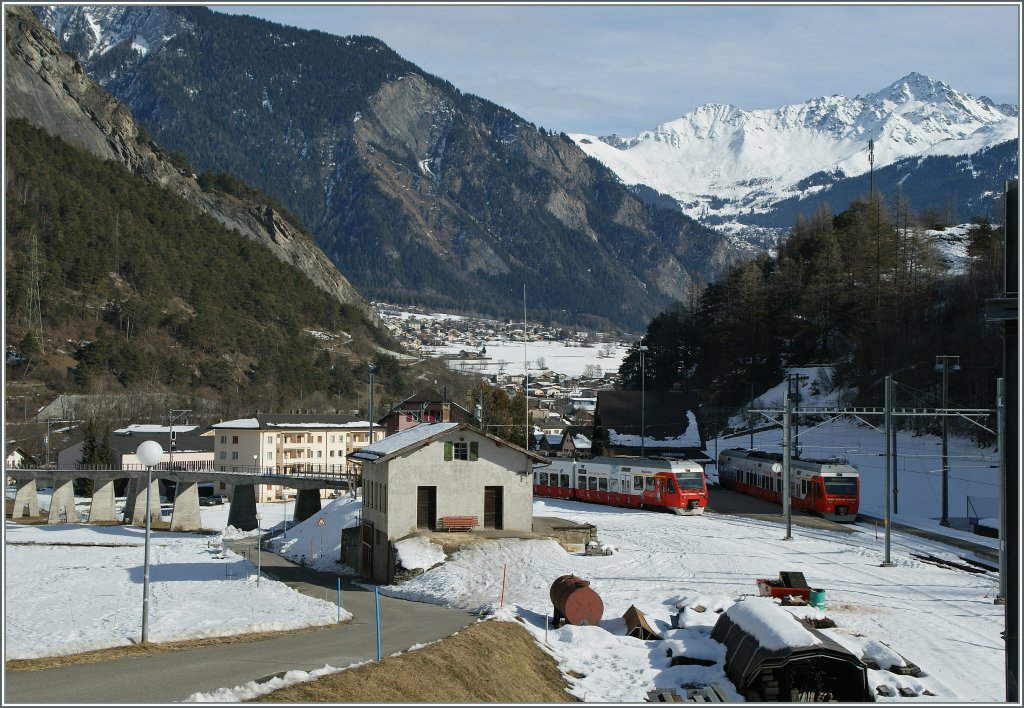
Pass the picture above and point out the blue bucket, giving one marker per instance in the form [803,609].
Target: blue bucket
[816,598]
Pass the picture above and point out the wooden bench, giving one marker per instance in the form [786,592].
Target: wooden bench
[457,523]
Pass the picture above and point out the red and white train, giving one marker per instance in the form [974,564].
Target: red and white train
[636,482]
[830,488]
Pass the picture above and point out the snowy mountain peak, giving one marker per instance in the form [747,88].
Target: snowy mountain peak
[719,161]
[913,86]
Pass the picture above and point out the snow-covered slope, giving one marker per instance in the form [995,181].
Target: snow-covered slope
[722,160]
[94,30]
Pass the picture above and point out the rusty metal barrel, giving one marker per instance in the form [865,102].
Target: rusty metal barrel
[575,602]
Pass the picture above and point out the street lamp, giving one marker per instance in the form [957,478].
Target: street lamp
[945,363]
[259,546]
[149,454]
[643,401]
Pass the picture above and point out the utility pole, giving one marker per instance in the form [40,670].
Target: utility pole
[750,416]
[1001,440]
[373,370]
[888,460]
[1003,309]
[643,402]
[787,465]
[943,363]
[172,416]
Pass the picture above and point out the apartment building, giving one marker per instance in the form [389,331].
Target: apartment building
[289,444]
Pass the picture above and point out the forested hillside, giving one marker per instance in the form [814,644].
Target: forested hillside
[863,290]
[115,284]
[418,193]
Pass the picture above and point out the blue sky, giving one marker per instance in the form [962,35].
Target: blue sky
[622,69]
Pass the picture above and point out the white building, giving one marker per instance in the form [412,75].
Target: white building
[415,478]
[290,443]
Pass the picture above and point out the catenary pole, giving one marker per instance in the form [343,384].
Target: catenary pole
[787,465]
[887,562]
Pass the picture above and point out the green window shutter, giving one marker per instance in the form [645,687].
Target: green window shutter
[447,452]
[474,451]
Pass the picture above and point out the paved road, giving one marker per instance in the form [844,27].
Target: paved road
[173,676]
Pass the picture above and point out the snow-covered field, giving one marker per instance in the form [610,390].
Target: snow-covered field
[511,357]
[941,619]
[79,588]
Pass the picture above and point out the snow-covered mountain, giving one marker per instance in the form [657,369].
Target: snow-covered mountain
[93,31]
[723,163]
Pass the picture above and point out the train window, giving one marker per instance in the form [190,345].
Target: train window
[602,484]
[544,478]
[803,487]
[638,483]
[669,486]
[841,485]
[690,479]
[565,480]
[593,484]
[582,479]
[649,483]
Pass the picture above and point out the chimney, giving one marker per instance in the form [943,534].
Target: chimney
[446,412]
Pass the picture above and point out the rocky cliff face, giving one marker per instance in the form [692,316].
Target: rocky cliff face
[48,87]
[418,193]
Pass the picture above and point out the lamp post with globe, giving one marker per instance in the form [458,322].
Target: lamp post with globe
[149,453]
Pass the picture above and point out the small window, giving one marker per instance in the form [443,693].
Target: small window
[223,455]
[319,438]
[649,483]
[223,439]
[592,484]
[234,439]
[602,484]
[638,483]
[234,455]
[331,453]
[565,480]
[270,440]
[270,456]
[543,479]
[670,486]
[319,454]
[461,450]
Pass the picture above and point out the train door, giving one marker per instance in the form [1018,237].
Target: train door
[625,488]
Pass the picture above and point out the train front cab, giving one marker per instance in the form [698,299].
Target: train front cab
[838,496]
[692,491]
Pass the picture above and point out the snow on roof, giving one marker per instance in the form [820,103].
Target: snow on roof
[139,429]
[402,440]
[689,438]
[581,442]
[239,423]
[355,424]
[254,423]
[772,626]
